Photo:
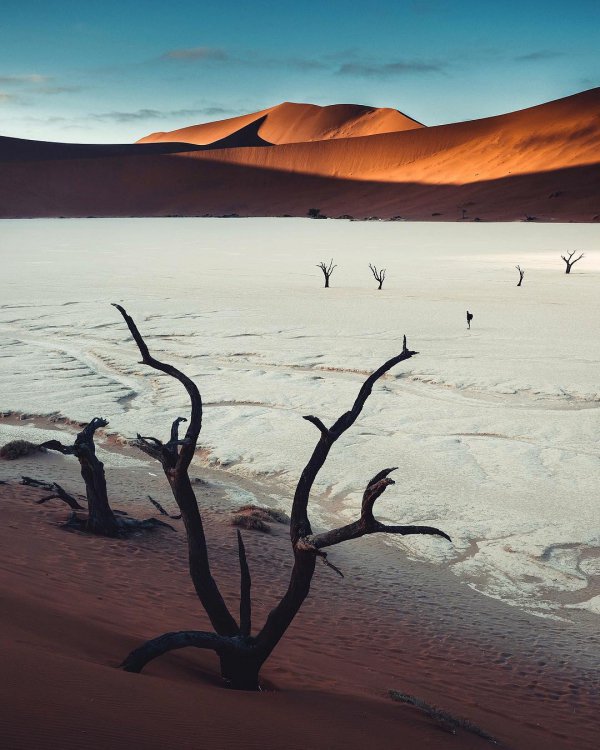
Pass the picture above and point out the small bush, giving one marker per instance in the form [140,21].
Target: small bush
[18,449]
[245,521]
[265,514]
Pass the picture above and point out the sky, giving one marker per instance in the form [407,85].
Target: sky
[114,71]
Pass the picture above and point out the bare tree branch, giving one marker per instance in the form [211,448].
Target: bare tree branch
[150,650]
[57,491]
[245,585]
[175,466]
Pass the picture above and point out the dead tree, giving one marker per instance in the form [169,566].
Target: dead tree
[521,274]
[570,263]
[469,319]
[241,653]
[327,271]
[379,275]
[101,519]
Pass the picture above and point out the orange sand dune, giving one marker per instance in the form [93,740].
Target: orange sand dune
[295,123]
[541,162]
[561,134]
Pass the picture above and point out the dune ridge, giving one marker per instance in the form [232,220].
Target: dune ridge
[296,123]
[537,163]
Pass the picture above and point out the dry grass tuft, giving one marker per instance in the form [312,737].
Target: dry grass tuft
[245,521]
[18,449]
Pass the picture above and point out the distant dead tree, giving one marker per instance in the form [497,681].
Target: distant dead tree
[241,652]
[379,275]
[315,213]
[570,263]
[469,319]
[327,271]
[521,274]
[101,519]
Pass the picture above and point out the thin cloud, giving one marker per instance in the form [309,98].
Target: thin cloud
[50,90]
[385,70]
[4,97]
[195,54]
[19,80]
[157,114]
[542,54]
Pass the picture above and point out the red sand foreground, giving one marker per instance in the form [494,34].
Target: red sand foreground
[73,606]
[541,163]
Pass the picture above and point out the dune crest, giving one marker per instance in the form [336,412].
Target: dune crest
[296,123]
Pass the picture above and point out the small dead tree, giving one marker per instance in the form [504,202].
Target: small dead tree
[241,653]
[100,520]
[521,274]
[379,275]
[570,263]
[327,271]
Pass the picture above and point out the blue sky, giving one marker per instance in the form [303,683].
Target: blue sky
[114,71]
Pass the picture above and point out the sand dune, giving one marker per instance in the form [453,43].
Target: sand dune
[76,605]
[541,162]
[296,123]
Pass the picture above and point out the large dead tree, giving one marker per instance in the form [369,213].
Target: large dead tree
[327,271]
[241,652]
[378,274]
[570,263]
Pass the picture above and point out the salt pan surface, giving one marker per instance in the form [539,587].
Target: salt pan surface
[495,430]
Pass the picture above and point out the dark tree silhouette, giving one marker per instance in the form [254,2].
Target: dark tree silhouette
[327,271]
[241,653]
[570,263]
[521,274]
[469,319]
[100,519]
[379,275]
[315,213]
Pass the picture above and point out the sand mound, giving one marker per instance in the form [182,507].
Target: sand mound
[296,123]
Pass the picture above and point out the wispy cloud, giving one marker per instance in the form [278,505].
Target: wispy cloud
[5,97]
[195,54]
[28,78]
[157,114]
[386,70]
[542,54]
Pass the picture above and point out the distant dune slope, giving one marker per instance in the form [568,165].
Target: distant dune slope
[543,161]
[296,123]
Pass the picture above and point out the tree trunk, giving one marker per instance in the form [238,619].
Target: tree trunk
[101,520]
[326,282]
[568,270]
[240,671]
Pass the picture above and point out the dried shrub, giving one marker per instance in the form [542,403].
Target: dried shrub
[18,449]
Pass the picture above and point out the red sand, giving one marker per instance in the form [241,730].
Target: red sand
[542,162]
[72,607]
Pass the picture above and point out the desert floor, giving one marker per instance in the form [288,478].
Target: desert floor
[495,431]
